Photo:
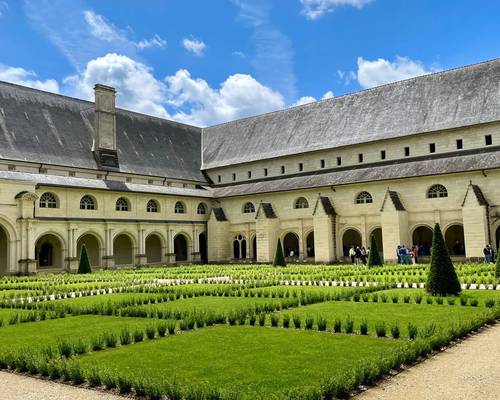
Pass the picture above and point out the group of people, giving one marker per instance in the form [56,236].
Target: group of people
[489,254]
[408,256]
[359,255]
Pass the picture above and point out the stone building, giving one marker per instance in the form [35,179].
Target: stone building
[389,161]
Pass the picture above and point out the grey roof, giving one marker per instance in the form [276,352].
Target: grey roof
[327,205]
[97,184]
[42,127]
[451,99]
[393,196]
[268,210]
[219,214]
[410,169]
[478,194]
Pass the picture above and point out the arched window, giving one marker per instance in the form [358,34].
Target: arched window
[179,208]
[87,203]
[48,200]
[248,208]
[202,209]
[364,198]
[436,191]
[152,206]
[122,204]
[301,202]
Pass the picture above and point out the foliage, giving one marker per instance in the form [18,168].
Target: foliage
[84,263]
[279,258]
[374,259]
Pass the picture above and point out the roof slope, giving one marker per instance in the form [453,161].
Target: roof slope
[47,128]
[456,98]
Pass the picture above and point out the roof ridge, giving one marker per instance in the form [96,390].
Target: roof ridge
[359,92]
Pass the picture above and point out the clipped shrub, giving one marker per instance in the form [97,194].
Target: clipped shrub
[171,327]
[490,303]
[162,330]
[383,298]
[124,385]
[474,302]
[374,256]
[375,297]
[286,321]
[274,320]
[337,325]
[363,327]
[380,329]
[451,301]
[150,332]
[356,297]
[463,300]
[395,298]
[309,322]
[321,323]
[395,332]
[439,300]
[84,263]
[412,331]
[442,278]
[406,299]
[262,319]
[296,322]
[252,319]
[429,299]
[349,325]
[125,336]
[279,258]
[110,339]
[93,377]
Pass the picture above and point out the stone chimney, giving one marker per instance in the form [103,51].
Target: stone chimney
[105,128]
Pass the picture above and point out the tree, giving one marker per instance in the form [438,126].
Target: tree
[374,256]
[442,278]
[497,269]
[84,264]
[279,258]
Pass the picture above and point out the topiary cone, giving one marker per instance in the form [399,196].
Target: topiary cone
[442,279]
[374,256]
[279,258]
[84,264]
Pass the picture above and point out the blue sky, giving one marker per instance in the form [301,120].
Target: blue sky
[206,62]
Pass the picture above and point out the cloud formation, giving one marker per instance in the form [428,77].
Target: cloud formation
[311,99]
[195,46]
[313,9]
[23,77]
[379,72]
[4,6]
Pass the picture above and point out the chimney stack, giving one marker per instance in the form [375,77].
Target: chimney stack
[105,127]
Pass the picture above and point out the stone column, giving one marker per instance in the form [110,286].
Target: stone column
[195,255]
[395,231]
[141,257]
[218,232]
[267,233]
[72,260]
[475,222]
[108,260]
[170,255]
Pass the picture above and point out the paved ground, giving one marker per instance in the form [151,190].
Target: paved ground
[469,370]
[19,387]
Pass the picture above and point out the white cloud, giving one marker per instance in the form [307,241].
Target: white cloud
[195,46]
[380,71]
[311,99]
[101,28]
[313,9]
[136,86]
[155,41]
[328,95]
[4,6]
[23,77]
[239,96]
[239,54]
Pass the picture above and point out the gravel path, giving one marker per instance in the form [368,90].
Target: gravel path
[20,387]
[469,370]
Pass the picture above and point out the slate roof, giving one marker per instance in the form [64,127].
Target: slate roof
[478,193]
[42,127]
[98,184]
[450,99]
[410,169]
[219,214]
[394,198]
[327,205]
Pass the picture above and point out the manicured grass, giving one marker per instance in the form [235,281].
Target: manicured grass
[49,332]
[253,360]
[332,290]
[480,295]
[418,314]
[113,298]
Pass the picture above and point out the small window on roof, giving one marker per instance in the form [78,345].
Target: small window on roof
[460,144]
[322,163]
[432,147]
[488,140]
[382,154]
[360,157]
[407,151]
[339,161]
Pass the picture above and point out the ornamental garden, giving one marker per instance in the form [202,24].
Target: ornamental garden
[241,331]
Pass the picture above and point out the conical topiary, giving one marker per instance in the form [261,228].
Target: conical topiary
[279,258]
[497,269]
[84,264]
[374,256]
[442,279]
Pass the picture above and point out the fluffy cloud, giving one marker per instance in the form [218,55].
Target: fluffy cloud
[380,71]
[136,86]
[314,9]
[27,78]
[195,46]
[238,96]
[155,41]
[311,99]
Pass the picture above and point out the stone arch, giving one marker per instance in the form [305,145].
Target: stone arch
[240,248]
[253,246]
[49,251]
[4,251]
[154,245]
[310,244]
[377,233]
[123,249]
[181,247]
[93,243]
[455,239]
[422,237]
[291,244]
[350,237]
[203,247]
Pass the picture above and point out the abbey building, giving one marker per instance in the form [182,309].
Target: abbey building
[389,162]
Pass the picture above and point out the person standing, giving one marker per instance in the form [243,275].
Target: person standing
[363,255]
[358,255]
[352,254]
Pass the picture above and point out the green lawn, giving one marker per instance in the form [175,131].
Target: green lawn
[256,361]
[113,298]
[332,290]
[480,295]
[49,332]
[418,314]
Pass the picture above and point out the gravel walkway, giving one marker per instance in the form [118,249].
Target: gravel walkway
[469,370]
[20,387]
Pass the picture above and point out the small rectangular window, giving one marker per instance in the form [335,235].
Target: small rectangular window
[382,154]
[488,140]
[150,182]
[219,178]
[249,174]
[43,170]
[322,163]
[460,144]
[234,176]
[360,157]
[265,172]
[407,151]
[71,173]
[432,147]
[12,167]
[282,169]
[339,161]
[301,167]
